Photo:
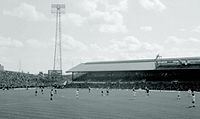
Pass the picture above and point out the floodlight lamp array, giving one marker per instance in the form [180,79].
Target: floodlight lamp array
[57,8]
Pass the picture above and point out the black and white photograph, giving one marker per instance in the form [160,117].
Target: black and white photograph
[99,59]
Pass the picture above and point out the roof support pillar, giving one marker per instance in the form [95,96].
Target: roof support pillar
[72,76]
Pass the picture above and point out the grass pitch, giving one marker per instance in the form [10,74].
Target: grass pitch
[120,104]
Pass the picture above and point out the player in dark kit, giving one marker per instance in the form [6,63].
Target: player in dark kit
[147,91]
[133,89]
[102,92]
[51,94]
[42,90]
[179,95]
[107,91]
[36,92]
[193,99]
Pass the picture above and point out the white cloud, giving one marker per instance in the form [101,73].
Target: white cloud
[8,42]
[3,59]
[182,29]
[69,43]
[6,60]
[107,16]
[181,41]
[129,43]
[89,6]
[37,44]
[177,46]
[153,5]
[197,29]
[74,18]
[26,11]
[132,44]
[113,28]
[123,49]
[126,48]
[131,47]
[122,5]
[173,39]
[146,28]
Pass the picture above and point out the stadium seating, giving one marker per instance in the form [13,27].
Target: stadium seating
[157,80]
[18,79]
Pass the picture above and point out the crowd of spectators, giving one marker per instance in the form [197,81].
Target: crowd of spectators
[13,79]
[22,80]
[152,85]
[156,80]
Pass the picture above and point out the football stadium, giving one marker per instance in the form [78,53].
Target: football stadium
[119,77]
[105,90]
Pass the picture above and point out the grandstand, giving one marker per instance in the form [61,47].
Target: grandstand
[162,73]
[159,73]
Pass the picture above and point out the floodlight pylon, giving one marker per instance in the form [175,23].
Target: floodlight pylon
[58,9]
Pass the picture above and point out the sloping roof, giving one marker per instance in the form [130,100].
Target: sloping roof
[131,65]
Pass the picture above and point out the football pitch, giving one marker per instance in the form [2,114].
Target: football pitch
[120,104]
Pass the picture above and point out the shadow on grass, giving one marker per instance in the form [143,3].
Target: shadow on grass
[190,106]
[132,99]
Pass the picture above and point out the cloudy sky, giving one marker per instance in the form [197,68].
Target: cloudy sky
[97,30]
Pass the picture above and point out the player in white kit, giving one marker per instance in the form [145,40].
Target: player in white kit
[77,93]
[89,89]
[189,92]
[134,92]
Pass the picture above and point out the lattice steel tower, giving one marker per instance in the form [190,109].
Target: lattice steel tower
[58,9]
